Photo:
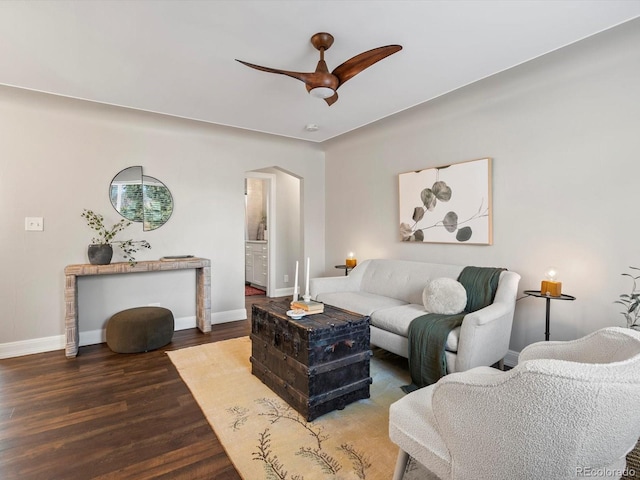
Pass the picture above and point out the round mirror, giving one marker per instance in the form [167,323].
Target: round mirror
[141,198]
[126,194]
[157,201]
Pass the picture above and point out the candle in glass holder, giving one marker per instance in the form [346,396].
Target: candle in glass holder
[551,286]
[351,261]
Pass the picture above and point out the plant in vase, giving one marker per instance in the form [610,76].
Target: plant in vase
[631,302]
[101,248]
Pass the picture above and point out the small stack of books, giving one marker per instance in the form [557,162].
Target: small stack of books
[309,307]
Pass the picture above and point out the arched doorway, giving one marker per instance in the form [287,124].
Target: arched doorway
[277,205]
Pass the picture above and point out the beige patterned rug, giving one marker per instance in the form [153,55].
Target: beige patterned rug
[633,464]
[266,439]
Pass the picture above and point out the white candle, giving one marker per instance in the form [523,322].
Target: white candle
[306,290]
[295,284]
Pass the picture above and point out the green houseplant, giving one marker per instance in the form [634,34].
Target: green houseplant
[631,302]
[101,248]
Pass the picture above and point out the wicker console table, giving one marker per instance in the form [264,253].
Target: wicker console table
[202,267]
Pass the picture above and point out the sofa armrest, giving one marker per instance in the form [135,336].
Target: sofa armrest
[488,314]
[484,336]
[350,283]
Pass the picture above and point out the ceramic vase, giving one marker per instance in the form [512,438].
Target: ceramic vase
[100,254]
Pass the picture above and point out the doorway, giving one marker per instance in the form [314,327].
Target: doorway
[259,235]
[273,230]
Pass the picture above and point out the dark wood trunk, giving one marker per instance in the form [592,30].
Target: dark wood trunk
[316,364]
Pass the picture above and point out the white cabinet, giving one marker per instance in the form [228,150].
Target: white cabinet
[256,263]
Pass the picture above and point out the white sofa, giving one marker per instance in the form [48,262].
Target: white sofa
[390,292]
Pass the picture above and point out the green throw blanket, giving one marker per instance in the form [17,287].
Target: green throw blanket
[428,333]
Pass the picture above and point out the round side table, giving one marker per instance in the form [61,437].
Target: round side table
[346,269]
[548,298]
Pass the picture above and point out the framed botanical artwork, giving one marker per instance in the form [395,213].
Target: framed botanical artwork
[447,204]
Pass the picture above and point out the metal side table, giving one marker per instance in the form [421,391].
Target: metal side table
[548,298]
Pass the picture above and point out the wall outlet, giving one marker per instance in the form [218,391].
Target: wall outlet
[286,279]
[35,224]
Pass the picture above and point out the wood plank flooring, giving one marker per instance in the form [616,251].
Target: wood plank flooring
[104,415]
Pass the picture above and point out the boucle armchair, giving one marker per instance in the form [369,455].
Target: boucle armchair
[567,410]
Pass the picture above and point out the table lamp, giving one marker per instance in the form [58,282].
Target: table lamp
[351,261]
[551,286]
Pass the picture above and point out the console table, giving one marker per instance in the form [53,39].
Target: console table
[202,266]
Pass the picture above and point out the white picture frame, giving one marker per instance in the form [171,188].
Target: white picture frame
[447,204]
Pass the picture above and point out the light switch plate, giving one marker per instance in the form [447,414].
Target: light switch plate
[35,224]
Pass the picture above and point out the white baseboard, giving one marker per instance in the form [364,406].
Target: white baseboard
[91,337]
[184,323]
[283,292]
[511,358]
[29,347]
[228,316]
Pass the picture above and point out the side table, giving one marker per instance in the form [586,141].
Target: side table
[346,269]
[537,293]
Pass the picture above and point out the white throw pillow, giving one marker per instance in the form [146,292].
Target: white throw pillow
[445,296]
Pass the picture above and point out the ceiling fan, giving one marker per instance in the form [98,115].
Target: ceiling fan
[324,84]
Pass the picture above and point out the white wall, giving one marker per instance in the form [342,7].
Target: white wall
[57,156]
[564,133]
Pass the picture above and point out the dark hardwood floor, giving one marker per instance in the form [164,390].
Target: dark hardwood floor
[104,415]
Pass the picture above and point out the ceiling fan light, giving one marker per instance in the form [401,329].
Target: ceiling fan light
[321,92]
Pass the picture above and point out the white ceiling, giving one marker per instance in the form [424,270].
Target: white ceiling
[177,56]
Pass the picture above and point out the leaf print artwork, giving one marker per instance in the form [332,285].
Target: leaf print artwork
[453,204]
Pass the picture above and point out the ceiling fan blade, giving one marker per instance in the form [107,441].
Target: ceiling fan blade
[355,65]
[332,99]
[304,77]
[321,82]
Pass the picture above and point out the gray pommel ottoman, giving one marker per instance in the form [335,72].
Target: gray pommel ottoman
[140,329]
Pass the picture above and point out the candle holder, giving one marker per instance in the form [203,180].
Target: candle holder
[351,261]
[295,285]
[551,287]
[306,297]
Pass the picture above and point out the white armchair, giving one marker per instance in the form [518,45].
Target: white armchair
[567,410]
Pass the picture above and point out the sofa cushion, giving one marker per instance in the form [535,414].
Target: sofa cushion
[444,296]
[397,319]
[363,303]
[402,279]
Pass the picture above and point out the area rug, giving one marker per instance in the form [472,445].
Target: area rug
[250,291]
[633,464]
[267,439]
